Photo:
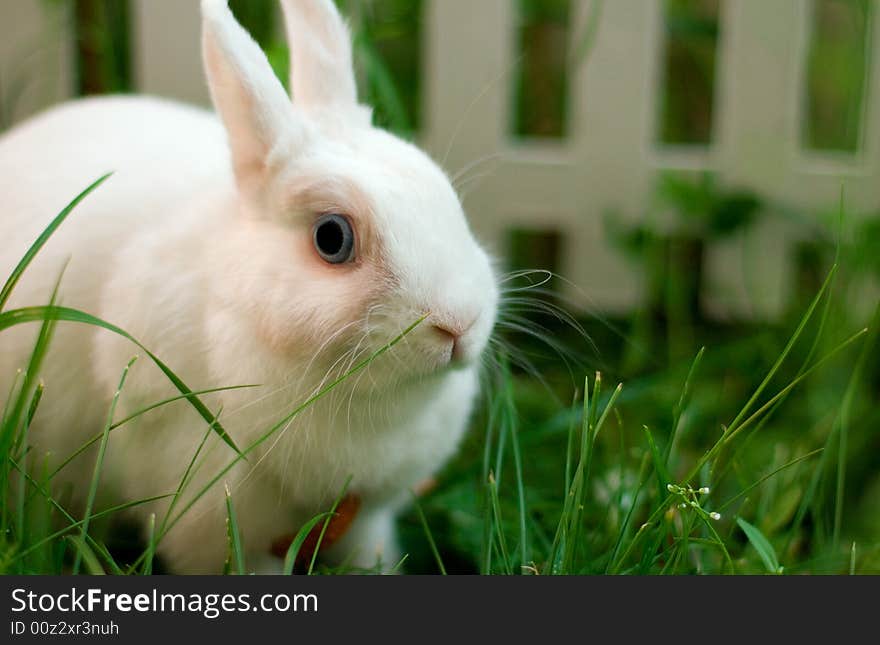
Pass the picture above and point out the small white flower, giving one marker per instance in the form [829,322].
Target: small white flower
[715,516]
[705,490]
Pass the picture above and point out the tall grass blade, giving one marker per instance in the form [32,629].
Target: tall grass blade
[745,491]
[296,544]
[844,424]
[644,472]
[118,424]
[430,537]
[499,526]
[99,464]
[147,569]
[34,314]
[659,463]
[85,554]
[762,546]
[734,426]
[14,425]
[518,467]
[569,446]
[682,403]
[31,253]
[326,525]
[104,554]
[236,552]
[730,433]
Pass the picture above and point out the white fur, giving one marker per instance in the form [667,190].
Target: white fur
[200,247]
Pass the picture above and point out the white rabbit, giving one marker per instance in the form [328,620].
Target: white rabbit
[277,246]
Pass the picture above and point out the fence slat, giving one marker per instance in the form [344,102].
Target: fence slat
[615,134]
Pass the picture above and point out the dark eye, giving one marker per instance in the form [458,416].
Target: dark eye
[334,239]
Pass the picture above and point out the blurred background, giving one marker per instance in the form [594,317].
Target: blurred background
[686,171]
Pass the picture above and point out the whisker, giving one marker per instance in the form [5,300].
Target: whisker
[479,97]
[472,166]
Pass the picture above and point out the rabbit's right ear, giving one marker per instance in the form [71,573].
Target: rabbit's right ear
[251,101]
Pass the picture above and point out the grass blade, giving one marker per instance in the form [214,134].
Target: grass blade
[762,546]
[569,447]
[104,554]
[296,544]
[36,314]
[234,535]
[326,525]
[31,253]
[151,546]
[730,433]
[737,423]
[13,429]
[99,464]
[843,422]
[499,527]
[428,535]
[517,462]
[745,491]
[624,527]
[118,424]
[85,554]
[682,403]
[659,463]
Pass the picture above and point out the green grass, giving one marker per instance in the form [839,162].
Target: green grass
[689,455]
[755,454]
[754,449]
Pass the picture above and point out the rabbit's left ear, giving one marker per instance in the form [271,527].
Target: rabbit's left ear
[251,101]
[322,76]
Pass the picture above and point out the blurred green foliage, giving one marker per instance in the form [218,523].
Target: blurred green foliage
[389,47]
[836,76]
[687,99]
[542,83]
[258,18]
[102,36]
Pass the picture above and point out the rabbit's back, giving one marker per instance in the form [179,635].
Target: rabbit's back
[160,153]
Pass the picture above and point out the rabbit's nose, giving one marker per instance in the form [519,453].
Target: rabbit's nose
[449,331]
[447,334]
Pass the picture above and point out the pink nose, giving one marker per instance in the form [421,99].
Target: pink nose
[454,334]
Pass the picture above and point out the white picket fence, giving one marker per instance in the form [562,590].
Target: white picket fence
[609,158]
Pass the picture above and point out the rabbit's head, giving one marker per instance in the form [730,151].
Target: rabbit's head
[345,235]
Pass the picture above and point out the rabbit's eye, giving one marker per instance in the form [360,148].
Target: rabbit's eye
[334,239]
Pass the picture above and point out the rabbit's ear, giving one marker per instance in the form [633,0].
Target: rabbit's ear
[321,71]
[249,97]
